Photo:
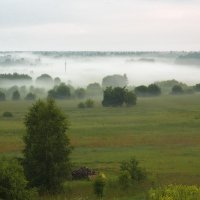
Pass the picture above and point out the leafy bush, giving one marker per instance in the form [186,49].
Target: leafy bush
[81,105]
[89,103]
[7,114]
[13,184]
[124,179]
[99,185]
[132,167]
[175,192]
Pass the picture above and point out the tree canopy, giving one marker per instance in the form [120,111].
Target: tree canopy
[47,147]
[118,96]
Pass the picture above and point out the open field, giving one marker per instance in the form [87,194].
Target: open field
[163,133]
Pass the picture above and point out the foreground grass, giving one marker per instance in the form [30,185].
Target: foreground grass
[162,133]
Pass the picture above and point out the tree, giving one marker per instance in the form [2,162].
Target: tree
[113,96]
[115,81]
[94,89]
[45,80]
[16,95]
[60,92]
[197,87]
[177,89]
[154,90]
[80,93]
[30,96]
[2,96]
[141,90]
[47,147]
[118,96]
[13,183]
[57,81]
[130,98]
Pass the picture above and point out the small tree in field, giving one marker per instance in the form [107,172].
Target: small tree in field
[47,147]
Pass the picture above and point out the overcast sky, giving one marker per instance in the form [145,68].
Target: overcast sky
[100,25]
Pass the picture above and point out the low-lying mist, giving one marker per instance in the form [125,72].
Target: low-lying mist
[81,70]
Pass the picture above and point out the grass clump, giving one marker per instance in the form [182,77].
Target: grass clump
[175,192]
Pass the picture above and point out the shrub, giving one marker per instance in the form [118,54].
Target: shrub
[132,167]
[124,179]
[13,184]
[81,105]
[99,185]
[175,192]
[7,114]
[89,103]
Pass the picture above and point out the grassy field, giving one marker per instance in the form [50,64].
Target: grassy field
[162,133]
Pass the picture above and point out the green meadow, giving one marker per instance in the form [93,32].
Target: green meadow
[163,133]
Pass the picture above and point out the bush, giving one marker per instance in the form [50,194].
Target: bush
[89,103]
[175,192]
[81,105]
[124,179]
[132,167]
[99,185]
[7,114]
[13,184]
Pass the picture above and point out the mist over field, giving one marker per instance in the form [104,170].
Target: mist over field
[83,68]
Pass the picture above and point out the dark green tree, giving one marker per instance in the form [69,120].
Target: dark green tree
[80,93]
[130,98]
[13,183]
[16,95]
[177,89]
[30,96]
[141,90]
[47,147]
[154,90]
[2,96]
[113,96]
[94,90]
[60,92]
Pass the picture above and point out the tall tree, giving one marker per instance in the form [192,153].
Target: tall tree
[47,147]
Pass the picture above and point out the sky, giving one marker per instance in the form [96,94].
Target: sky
[100,25]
